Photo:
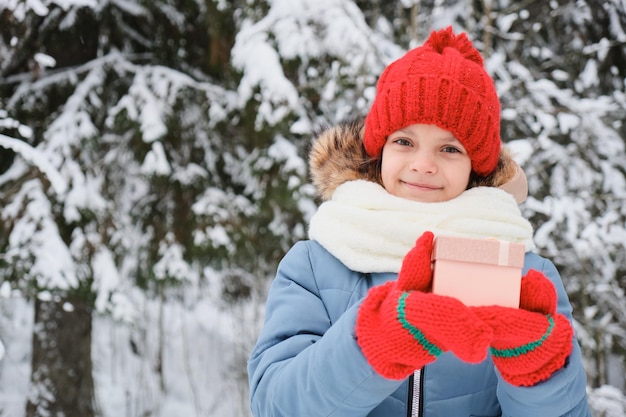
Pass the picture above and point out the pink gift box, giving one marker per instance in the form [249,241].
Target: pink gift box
[478,271]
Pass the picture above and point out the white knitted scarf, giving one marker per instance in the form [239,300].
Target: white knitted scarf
[370,230]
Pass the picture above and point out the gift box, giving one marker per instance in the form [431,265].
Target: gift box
[478,271]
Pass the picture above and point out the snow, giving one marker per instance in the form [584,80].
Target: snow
[16,322]
[37,159]
[53,266]
[130,385]
[286,153]
[608,401]
[44,60]
[106,278]
[589,77]
[260,62]
[171,263]
[286,33]
[156,161]
[82,195]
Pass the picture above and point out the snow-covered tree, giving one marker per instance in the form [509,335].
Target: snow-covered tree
[559,64]
[153,173]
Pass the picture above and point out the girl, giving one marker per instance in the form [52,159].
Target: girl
[351,327]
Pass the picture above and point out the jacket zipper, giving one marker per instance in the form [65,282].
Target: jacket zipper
[416,394]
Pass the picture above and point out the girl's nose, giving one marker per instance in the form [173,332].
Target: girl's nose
[424,163]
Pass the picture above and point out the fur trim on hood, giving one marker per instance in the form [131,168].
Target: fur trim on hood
[338,155]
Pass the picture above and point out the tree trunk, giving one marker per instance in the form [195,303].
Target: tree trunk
[61,376]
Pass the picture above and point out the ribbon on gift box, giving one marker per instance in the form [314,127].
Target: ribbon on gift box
[503,253]
[490,251]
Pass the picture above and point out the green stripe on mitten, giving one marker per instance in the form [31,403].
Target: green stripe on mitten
[401,328]
[530,343]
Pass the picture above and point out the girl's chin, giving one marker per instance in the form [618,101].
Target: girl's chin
[427,196]
[420,194]
[423,197]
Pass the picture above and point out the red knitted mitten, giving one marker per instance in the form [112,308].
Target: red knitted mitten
[532,342]
[401,328]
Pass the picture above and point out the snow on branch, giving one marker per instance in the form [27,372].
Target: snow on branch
[38,159]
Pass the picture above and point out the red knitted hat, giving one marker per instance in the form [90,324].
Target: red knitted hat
[443,83]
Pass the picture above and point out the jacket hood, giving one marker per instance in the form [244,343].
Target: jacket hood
[338,155]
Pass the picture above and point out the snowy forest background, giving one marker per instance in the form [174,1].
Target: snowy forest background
[153,172]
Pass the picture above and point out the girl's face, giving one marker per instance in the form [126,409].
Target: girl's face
[424,163]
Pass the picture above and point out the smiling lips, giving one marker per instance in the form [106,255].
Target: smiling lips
[421,186]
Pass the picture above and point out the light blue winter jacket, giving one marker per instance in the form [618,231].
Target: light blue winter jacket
[307,362]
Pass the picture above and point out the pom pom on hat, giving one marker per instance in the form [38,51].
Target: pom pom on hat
[444,83]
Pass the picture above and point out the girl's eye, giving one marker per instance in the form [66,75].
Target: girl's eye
[451,149]
[402,141]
